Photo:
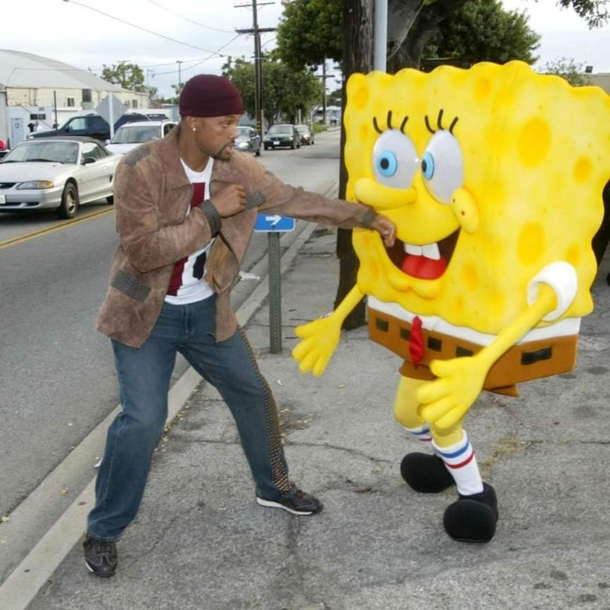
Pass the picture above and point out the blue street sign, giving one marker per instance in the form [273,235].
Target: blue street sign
[271,223]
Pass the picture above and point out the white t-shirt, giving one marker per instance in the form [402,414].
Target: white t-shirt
[188,283]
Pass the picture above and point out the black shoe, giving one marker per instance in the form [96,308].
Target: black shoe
[299,503]
[425,473]
[473,518]
[101,557]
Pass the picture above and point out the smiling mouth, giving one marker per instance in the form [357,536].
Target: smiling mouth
[428,262]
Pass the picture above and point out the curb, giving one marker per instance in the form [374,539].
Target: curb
[23,584]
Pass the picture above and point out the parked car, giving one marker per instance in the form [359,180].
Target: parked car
[56,173]
[282,136]
[90,125]
[4,150]
[133,134]
[306,135]
[248,140]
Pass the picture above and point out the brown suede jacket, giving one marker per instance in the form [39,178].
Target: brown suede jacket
[152,195]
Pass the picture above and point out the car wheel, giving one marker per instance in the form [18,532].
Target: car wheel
[110,200]
[293,146]
[69,202]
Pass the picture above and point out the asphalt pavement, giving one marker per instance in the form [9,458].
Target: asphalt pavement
[201,542]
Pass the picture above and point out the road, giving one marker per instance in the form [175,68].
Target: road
[57,376]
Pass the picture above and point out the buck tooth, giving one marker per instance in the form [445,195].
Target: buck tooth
[413,250]
[432,251]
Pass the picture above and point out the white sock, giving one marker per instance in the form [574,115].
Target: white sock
[462,465]
[422,433]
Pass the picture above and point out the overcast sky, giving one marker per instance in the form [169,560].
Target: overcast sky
[68,32]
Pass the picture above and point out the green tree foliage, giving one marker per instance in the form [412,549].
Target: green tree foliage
[310,31]
[482,30]
[285,91]
[596,12]
[573,72]
[129,76]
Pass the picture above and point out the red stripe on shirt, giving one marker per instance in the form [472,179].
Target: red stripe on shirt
[175,282]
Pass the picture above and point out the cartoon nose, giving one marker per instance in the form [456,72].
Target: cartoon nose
[381,197]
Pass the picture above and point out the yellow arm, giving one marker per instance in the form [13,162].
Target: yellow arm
[445,401]
[320,337]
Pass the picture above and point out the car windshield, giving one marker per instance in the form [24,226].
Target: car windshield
[136,134]
[243,132]
[302,129]
[49,152]
[280,129]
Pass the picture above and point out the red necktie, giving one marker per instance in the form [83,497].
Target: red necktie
[416,342]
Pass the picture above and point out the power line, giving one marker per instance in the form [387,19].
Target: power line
[186,44]
[201,61]
[207,27]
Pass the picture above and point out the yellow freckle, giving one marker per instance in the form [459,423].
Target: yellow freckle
[458,304]
[531,244]
[471,277]
[361,98]
[573,255]
[482,89]
[534,142]
[364,132]
[582,170]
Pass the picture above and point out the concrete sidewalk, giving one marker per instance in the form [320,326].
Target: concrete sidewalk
[200,541]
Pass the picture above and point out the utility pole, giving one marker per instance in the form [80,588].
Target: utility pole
[179,62]
[324,76]
[258,67]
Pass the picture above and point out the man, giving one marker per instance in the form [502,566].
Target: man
[186,207]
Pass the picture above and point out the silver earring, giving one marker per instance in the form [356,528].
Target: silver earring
[194,128]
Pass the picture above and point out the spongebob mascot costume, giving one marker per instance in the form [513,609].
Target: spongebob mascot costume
[494,179]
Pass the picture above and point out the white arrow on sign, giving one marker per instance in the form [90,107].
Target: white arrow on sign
[273,219]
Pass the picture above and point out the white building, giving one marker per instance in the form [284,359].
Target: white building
[35,88]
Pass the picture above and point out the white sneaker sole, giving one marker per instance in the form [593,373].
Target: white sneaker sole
[271,504]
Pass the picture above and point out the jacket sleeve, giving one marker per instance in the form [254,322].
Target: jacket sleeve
[298,203]
[148,245]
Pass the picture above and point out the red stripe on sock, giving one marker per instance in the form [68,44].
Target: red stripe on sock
[461,464]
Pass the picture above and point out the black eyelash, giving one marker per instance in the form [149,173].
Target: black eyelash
[389,123]
[439,122]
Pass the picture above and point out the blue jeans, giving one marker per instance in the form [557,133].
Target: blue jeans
[144,379]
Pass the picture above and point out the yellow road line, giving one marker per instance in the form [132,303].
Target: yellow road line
[28,236]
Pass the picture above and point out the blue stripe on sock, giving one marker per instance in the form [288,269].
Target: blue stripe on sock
[450,456]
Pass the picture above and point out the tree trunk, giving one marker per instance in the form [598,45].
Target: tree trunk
[357,57]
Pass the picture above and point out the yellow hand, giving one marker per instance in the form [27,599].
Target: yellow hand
[320,337]
[319,341]
[445,401]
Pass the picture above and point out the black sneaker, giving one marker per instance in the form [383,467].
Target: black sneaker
[299,503]
[101,557]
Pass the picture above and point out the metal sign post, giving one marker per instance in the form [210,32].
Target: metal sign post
[275,295]
[273,226]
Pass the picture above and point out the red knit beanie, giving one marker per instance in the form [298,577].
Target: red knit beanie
[207,95]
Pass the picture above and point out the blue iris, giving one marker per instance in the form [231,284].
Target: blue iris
[427,166]
[387,164]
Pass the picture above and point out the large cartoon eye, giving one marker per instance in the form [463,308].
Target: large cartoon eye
[443,166]
[395,159]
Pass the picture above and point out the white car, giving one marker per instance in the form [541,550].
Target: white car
[56,173]
[131,135]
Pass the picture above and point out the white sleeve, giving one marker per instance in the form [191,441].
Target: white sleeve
[561,277]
